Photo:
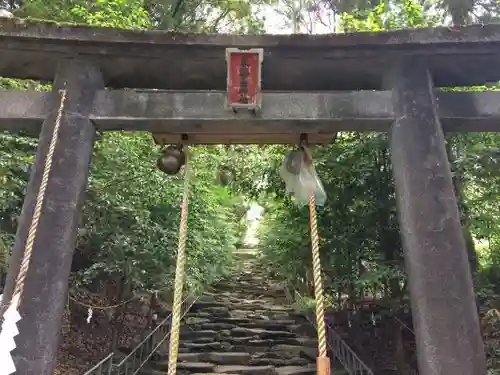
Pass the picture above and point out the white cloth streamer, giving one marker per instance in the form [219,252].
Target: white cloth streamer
[8,332]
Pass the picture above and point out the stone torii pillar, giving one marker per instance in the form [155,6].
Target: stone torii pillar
[442,295]
[45,292]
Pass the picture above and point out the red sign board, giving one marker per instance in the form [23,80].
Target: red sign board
[244,77]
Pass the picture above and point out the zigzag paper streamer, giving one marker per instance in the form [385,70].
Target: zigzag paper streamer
[7,344]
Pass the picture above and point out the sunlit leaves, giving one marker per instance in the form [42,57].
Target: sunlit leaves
[132,216]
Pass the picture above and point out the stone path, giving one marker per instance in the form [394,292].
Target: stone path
[243,326]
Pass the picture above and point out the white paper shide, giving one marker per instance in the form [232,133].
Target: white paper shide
[8,332]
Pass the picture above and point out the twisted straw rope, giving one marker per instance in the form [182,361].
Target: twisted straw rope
[179,276]
[318,282]
[28,250]
[316,261]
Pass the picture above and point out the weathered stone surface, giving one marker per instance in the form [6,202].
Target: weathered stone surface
[203,346]
[202,340]
[292,349]
[309,353]
[229,358]
[268,324]
[217,311]
[196,319]
[236,321]
[196,366]
[218,326]
[246,370]
[190,357]
[241,331]
[249,348]
[279,361]
[46,283]
[187,334]
[296,370]
[306,341]
[242,314]
[241,340]
[151,372]
[205,304]
[199,315]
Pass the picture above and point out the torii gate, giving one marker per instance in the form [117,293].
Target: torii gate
[298,74]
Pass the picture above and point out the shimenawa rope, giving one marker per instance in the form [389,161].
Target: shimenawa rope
[179,275]
[318,282]
[25,263]
[323,364]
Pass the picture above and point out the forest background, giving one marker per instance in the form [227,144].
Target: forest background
[127,238]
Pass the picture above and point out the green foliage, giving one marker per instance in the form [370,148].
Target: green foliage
[126,14]
[388,16]
[131,216]
[356,174]
[129,14]
[181,15]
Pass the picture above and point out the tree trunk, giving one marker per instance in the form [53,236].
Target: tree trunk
[457,179]
[152,306]
[119,317]
[390,249]
[399,349]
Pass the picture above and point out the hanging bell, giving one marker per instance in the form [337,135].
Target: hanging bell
[294,160]
[171,160]
[225,175]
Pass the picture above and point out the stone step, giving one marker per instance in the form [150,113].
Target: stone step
[262,333]
[226,335]
[246,292]
[226,339]
[256,315]
[219,308]
[196,367]
[259,323]
[244,326]
[263,361]
[254,327]
[283,370]
[194,318]
[239,358]
[234,300]
[207,367]
[252,290]
[245,370]
[186,347]
[189,334]
[296,370]
[211,312]
[217,326]
[255,294]
[256,321]
[224,358]
[269,324]
[278,350]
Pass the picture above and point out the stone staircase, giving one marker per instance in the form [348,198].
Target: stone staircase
[243,326]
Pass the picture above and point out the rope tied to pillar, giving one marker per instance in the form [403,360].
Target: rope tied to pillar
[302,182]
[23,270]
[11,315]
[317,277]
[323,362]
[179,274]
